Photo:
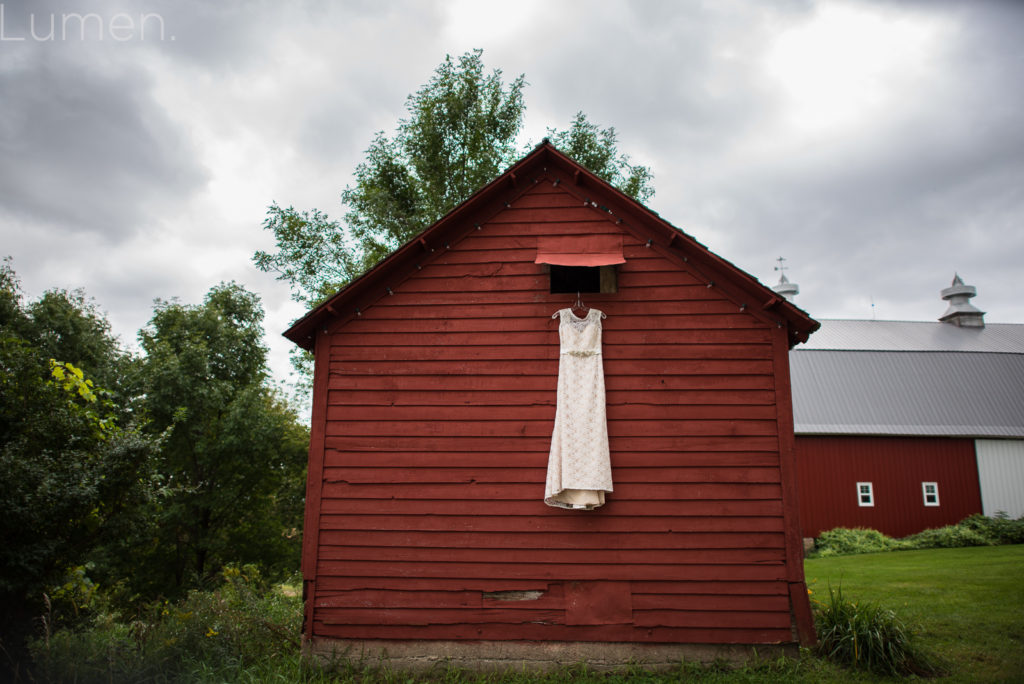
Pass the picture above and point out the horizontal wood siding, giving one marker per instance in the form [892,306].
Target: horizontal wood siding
[829,468]
[441,402]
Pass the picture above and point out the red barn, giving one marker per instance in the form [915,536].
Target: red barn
[908,425]
[434,397]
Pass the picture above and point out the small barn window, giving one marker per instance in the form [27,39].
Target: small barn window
[931,493]
[582,279]
[865,494]
[581,263]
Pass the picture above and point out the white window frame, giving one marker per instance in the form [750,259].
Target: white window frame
[934,493]
[870,493]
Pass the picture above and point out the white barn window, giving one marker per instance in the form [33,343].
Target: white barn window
[931,493]
[865,494]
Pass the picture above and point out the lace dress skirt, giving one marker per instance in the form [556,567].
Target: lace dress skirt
[579,464]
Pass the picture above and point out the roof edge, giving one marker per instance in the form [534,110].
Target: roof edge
[635,216]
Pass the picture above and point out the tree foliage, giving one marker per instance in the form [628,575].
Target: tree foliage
[70,467]
[233,453]
[596,149]
[460,132]
[188,462]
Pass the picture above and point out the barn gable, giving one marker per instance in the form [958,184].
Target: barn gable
[434,399]
[594,199]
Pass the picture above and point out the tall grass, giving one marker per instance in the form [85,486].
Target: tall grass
[869,637]
[210,635]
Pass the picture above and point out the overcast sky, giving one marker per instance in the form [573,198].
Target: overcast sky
[877,146]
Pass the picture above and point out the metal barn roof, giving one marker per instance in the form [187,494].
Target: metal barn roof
[916,336]
[910,378]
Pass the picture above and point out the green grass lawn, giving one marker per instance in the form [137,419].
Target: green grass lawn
[968,604]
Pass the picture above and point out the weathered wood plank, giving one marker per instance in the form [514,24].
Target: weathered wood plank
[552,540]
[616,412]
[558,572]
[539,459]
[437,616]
[473,516]
[537,632]
[516,214]
[503,444]
[331,586]
[532,556]
[411,473]
[497,367]
[385,598]
[682,300]
[547,383]
[623,492]
[660,604]
[533,515]
[637,400]
[534,318]
[549,337]
[427,427]
[417,350]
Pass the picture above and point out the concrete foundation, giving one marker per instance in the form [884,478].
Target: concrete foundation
[534,656]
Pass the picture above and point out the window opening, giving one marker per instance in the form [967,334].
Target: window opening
[931,493]
[566,279]
[865,494]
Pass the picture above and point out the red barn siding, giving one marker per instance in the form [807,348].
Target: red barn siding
[439,403]
[830,467]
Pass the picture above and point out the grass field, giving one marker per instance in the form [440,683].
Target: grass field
[967,603]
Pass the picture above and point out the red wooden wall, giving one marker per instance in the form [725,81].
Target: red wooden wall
[439,404]
[829,468]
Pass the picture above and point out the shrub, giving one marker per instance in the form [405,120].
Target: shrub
[975,530]
[867,636]
[844,540]
[1000,529]
[948,537]
[240,625]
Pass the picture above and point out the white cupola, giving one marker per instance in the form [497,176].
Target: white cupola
[961,312]
[784,287]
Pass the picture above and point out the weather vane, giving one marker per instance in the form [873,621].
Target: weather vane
[781,267]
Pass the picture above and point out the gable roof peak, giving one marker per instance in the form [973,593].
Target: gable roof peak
[546,163]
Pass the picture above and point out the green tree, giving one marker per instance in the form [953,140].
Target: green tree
[69,470]
[596,148]
[460,132]
[233,453]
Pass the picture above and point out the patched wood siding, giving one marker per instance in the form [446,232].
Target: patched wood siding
[440,401]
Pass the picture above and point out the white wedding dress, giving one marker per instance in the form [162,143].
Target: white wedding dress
[579,465]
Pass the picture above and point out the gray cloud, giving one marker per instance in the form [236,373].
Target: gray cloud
[169,151]
[84,147]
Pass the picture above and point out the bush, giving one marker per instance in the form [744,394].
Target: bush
[867,636]
[843,541]
[948,537]
[1000,529]
[975,530]
[241,625]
